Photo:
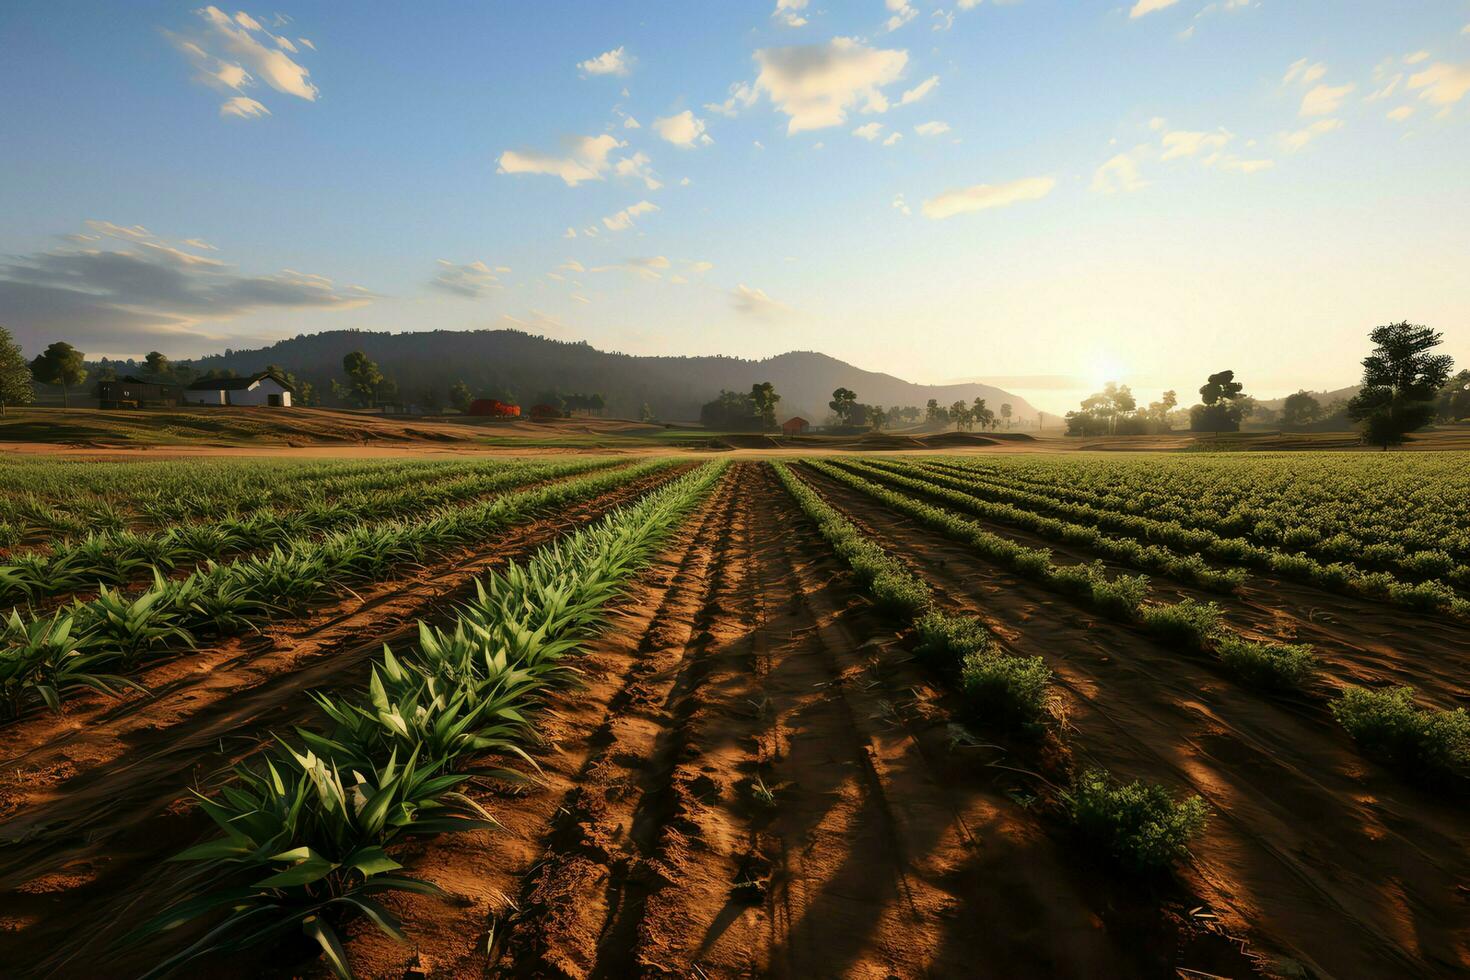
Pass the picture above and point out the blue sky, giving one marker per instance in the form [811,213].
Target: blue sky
[1047,193]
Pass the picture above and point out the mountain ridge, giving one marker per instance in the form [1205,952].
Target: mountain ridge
[525,365]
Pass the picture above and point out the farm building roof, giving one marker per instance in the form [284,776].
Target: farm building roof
[238,384]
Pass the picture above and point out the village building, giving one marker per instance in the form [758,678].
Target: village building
[795,426]
[130,392]
[264,388]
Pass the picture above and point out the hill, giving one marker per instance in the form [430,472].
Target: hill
[1324,398]
[525,367]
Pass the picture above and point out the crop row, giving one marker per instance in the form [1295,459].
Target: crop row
[1140,826]
[308,831]
[157,494]
[43,657]
[961,494]
[1433,744]
[1344,577]
[1374,509]
[115,557]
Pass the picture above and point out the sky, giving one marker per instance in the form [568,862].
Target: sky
[1042,194]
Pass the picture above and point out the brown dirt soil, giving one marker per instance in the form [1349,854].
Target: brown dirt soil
[743,660]
[1359,641]
[1315,852]
[92,799]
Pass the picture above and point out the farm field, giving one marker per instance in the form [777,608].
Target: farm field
[997,714]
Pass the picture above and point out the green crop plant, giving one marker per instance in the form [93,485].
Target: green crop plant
[1139,826]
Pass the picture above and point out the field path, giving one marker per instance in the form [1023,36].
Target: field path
[876,848]
[1321,854]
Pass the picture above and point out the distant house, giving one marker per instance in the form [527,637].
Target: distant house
[264,388]
[795,426]
[493,408]
[130,392]
[545,412]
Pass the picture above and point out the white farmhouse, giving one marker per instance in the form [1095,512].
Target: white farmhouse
[264,388]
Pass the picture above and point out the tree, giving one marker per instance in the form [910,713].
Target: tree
[1401,379]
[841,404]
[1300,409]
[61,364]
[15,374]
[646,413]
[763,396]
[878,415]
[460,396]
[1005,413]
[961,416]
[363,378]
[158,365]
[1221,409]
[979,412]
[1454,398]
[932,410]
[732,411]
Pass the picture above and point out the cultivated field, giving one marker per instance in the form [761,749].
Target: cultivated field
[1007,714]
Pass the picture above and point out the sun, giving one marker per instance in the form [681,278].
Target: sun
[1105,369]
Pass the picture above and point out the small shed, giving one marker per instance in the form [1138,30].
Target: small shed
[493,408]
[130,392]
[265,388]
[795,426]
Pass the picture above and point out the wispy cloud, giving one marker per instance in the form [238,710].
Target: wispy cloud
[614,62]
[1120,173]
[232,53]
[583,158]
[1143,7]
[755,302]
[920,90]
[982,197]
[623,220]
[934,128]
[1325,99]
[789,12]
[1298,139]
[470,281]
[1442,84]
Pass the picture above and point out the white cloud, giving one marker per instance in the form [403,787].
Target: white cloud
[623,220]
[243,107]
[789,13]
[699,266]
[631,123]
[1386,91]
[943,20]
[579,298]
[1401,113]
[1120,173]
[637,167]
[1441,83]
[199,243]
[1300,138]
[470,281]
[271,65]
[934,128]
[920,90]
[1184,143]
[1325,99]
[682,129]
[1416,57]
[585,158]
[755,302]
[742,96]
[136,233]
[893,139]
[614,62]
[1303,72]
[902,206]
[868,131]
[816,85]
[1149,6]
[572,265]
[569,233]
[902,12]
[306,43]
[981,197]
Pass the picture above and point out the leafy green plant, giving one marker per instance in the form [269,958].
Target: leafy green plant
[1187,623]
[1141,827]
[1278,665]
[1005,689]
[946,640]
[1387,724]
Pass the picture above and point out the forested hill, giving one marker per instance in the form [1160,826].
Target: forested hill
[524,366]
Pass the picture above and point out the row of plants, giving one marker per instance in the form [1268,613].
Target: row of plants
[1141,827]
[92,644]
[1406,514]
[309,831]
[1443,736]
[116,557]
[179,494]
[962,494]
[1345,577]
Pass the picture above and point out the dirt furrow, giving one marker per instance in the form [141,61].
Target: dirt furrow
[92,814]
[1322,854]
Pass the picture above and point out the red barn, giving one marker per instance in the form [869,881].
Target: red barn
[795,426]
[493,408]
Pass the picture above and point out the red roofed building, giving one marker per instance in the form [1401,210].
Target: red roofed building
[493,408]
[795,426]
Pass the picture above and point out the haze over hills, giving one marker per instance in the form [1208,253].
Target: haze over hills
[524,366]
